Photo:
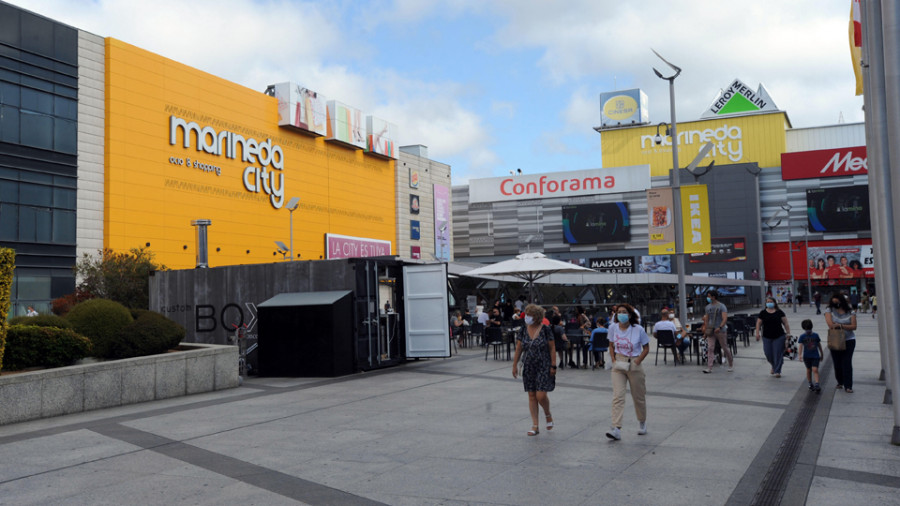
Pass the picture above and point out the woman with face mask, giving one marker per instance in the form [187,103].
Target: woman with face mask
[775,331]
[840,315]
[630,344]
[535,347]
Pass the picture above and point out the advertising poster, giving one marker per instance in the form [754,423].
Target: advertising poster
[596,223]
[415,252]
[828,265]
[442,222]
[615,265]
[844,209]
[724,291]
[695,219]
[414,204]
[661,227]
[342,246]
[723,249]
[415,230]
[655,264]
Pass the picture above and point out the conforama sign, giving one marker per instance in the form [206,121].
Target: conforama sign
[560,184]
[824,163]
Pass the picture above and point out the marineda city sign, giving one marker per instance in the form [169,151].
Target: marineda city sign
[267,159]
[573,183]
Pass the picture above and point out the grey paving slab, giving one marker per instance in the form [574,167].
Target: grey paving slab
[452,431]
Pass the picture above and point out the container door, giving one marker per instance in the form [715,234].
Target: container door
[425,311]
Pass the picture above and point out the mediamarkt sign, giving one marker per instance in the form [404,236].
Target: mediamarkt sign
[560,184]
[824,163]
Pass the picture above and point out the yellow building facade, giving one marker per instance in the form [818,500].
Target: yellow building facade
[736,139]
[182,145]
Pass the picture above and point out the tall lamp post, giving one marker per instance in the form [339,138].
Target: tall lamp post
[806,251]
[675,183]
[291,207]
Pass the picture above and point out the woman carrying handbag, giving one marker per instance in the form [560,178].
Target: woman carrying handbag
[840,316]
[630,344]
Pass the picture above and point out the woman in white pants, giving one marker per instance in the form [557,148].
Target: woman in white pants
[630,345]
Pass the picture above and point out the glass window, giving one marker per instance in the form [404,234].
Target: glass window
[62,197]
[63,181]
[35,177]
[9,93]
[43,221]
[35,195]
[63,227]
[37,101]
[9,192]
[65,107]
[36,130]
[9,124]
[65,134]
[37,84]
[27,223]
[9,222]
[35,287]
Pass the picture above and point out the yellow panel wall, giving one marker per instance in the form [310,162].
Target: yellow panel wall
[738,139]
[151,199]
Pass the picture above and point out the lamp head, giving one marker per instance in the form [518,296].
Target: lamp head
[293,203]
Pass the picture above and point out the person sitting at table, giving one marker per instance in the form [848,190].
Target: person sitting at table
[456,326]
[665,323]
[559,338]
[496,320]
[682,339]
[481,316]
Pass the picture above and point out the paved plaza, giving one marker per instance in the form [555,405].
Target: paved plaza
[452,431]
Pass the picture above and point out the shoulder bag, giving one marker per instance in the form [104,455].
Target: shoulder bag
[837,340]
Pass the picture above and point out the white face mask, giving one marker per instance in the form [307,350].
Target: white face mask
[528,320]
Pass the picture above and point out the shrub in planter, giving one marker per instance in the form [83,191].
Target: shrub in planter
[33,346]
[44,320]
[150,333]
[101,321]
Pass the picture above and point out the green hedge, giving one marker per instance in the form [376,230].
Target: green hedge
[44,320]
[101,321]
[150,333]
[7,265]
[33,346]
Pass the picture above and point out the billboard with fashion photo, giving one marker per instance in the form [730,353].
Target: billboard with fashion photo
[840,262]
[655,263]
[843,209]
[596,223]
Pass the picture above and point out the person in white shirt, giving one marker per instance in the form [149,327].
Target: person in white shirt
[630,344]
[666,323]
[30,311]
[481,315]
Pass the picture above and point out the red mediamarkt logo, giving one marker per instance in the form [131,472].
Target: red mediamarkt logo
[824,163]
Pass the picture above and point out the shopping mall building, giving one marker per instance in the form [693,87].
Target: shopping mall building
[801,194]
[107,145]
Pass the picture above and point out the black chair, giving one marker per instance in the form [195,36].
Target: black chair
[665,339]
[493,337]
[476,331]
[741,331]
[575,335]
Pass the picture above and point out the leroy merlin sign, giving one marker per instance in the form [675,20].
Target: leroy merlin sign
[738,98]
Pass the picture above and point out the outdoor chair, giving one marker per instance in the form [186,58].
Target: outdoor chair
[599,344]
[575,335]
[493,338]
[476,333]
[665,339]
[741,331]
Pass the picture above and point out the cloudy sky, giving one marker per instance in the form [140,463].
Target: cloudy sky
[497,85]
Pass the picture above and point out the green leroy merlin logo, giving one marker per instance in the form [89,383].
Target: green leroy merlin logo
[738,98]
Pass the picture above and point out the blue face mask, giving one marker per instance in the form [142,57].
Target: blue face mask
[528,320]
[770,305]
[623,318]
[708,300]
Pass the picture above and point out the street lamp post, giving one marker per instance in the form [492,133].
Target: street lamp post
[291,207]
[675,183]
[806,250]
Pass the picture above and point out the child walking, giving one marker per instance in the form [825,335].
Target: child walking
[812,354]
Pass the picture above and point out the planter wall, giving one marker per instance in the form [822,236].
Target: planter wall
[54,392]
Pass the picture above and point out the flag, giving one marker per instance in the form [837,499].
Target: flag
[856,44]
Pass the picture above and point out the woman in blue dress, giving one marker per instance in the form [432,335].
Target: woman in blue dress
[535,347]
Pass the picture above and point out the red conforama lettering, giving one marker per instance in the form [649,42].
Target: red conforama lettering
[543,185]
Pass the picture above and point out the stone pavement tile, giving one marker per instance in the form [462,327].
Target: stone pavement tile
[663,490]
[534,483]
[862,429]
[713,464]
[831,492]
[856,462]
[137,478]
[49,453]
[442,478]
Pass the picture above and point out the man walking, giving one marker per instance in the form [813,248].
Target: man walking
[714,320]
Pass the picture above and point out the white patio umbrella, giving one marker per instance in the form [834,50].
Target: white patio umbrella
[528,267]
